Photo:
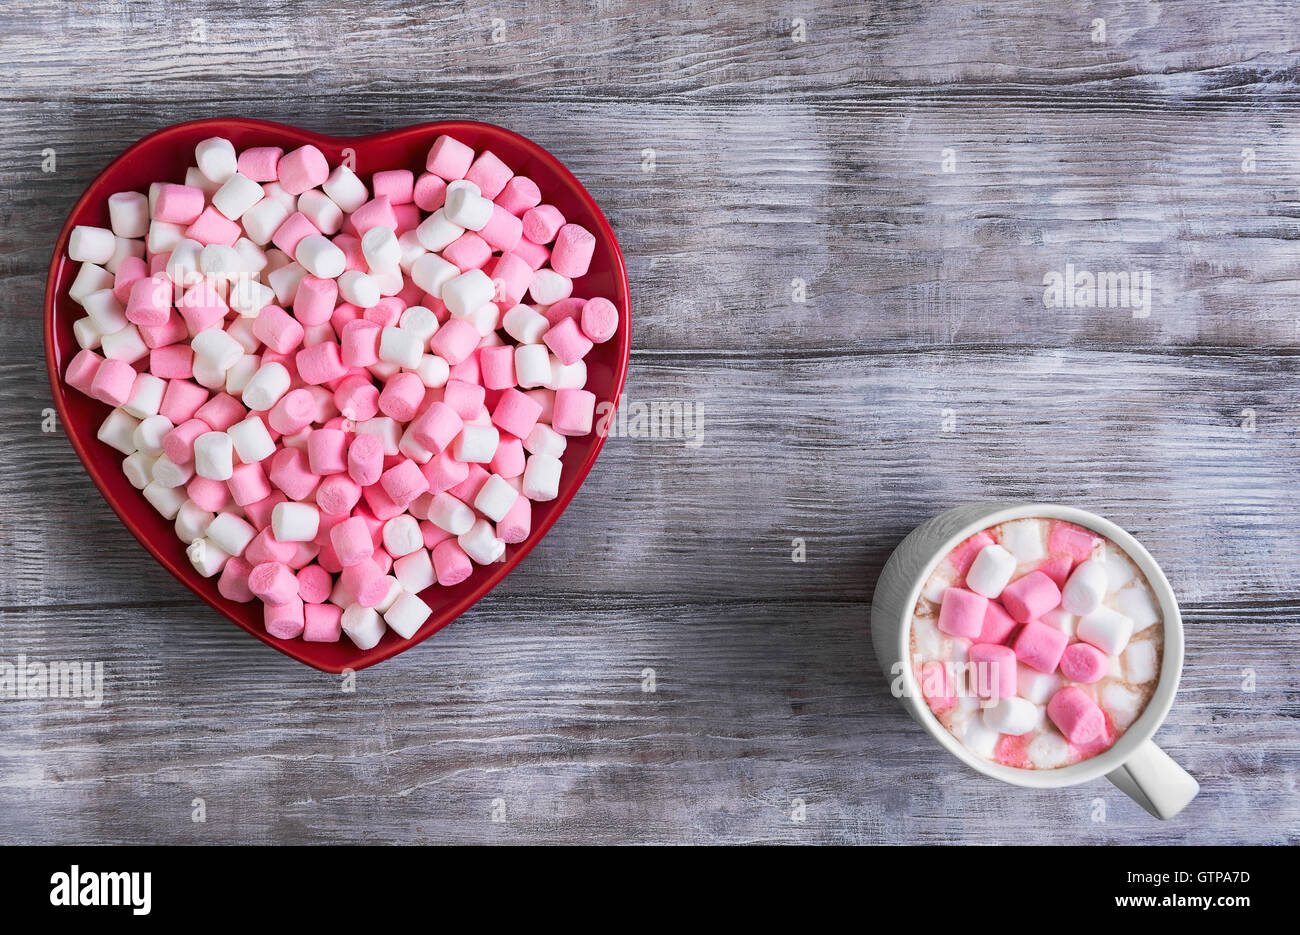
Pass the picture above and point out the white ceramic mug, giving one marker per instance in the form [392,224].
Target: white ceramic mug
[1134,763]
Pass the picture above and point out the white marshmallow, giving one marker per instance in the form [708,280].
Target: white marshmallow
[1036,687]
[284,280]
[1137,603]
[318,255]
[385,429]
[467,208]
[89,244]
[216,159]
[1061,620]
[411,248]
[248,297]
[1086,588]
[149,434]
[419,321]
[191,522]
[183,263]
[362,625]
[236,195]
[380,248]
[217,348]
[548,287]
[467,292]
[1026,539]
[295,522]
[231,533]
[214,456]
[450,514]
[401,347]
[408,446]
[928,638]
[266,387]
[407,614]
[146,396]
[495,498]
[138,469]
[1012,715]
[1106,629]
[1140,662]
[163,237]
[1048,751]
[124,248]
[167,473]
[402,536]
[345,189]
[321,210]
[431,272]
[1121,703]
[207,374]
[237,377]
[90,277]
[106,311]
[128,214]
[532,365]
[391,596]
[166,500]
[544,440]
[476,444]
[207,557]
[415,571]
[359,288]
[118,431]
[390,281]
[481,544]
[980,738]
[194,179]
[567,377]
[541,478]
[1119,570]
[251,256]
[263,219]
[222,263]
[991,571]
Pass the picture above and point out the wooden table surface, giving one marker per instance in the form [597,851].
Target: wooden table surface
[919,168]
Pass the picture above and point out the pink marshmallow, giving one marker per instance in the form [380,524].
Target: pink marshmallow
[401,396]
[517,523]
[322,623]
[314,302]
[1084,663]
[377,212]
[365,460]
[449,159]
[351,541]
[365,581]
[211,495]
[571,255]
[503,230]
[248,483]
[221,412]
[519,194]
[430,192]
[172,362]
[113,382]
[516,413]
[178,444]
[266,548]
[509,460]
[567,342]
[573,411]
[178,204]
[1076,715]
[357,398]
[475,477]
[455,340]
[327,451]
[450,563]
[1040,646]
[1030,597]
[273,582]
[511,275]
[489,173]
[284,621]
[498,366]
[181,400]
[994,670]
[289,472]
[320,363]
[150,301]
[277,329]
[599,320]
[130,270]
[997,624]
[361,343]
[202,307]
[295,411]
[304,168]
[82,369]
[233,583]
[468,251]
[260,163]
[1069,539]
[443,472]
[403,482]
[314,584]
[565,308]
[292,231]
[338,494]
[172,331]
[542,223]
[535,255]
[961,612]
[465,398]
[398,185]
[213,227]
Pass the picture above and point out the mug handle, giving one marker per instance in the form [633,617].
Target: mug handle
[1150,778]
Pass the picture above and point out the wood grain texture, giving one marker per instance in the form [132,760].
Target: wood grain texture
[922,370]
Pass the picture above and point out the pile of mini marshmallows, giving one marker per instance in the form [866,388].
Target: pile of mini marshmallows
[1022,651]
[335,390]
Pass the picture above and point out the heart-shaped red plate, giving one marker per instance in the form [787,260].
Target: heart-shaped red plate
[164,156]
